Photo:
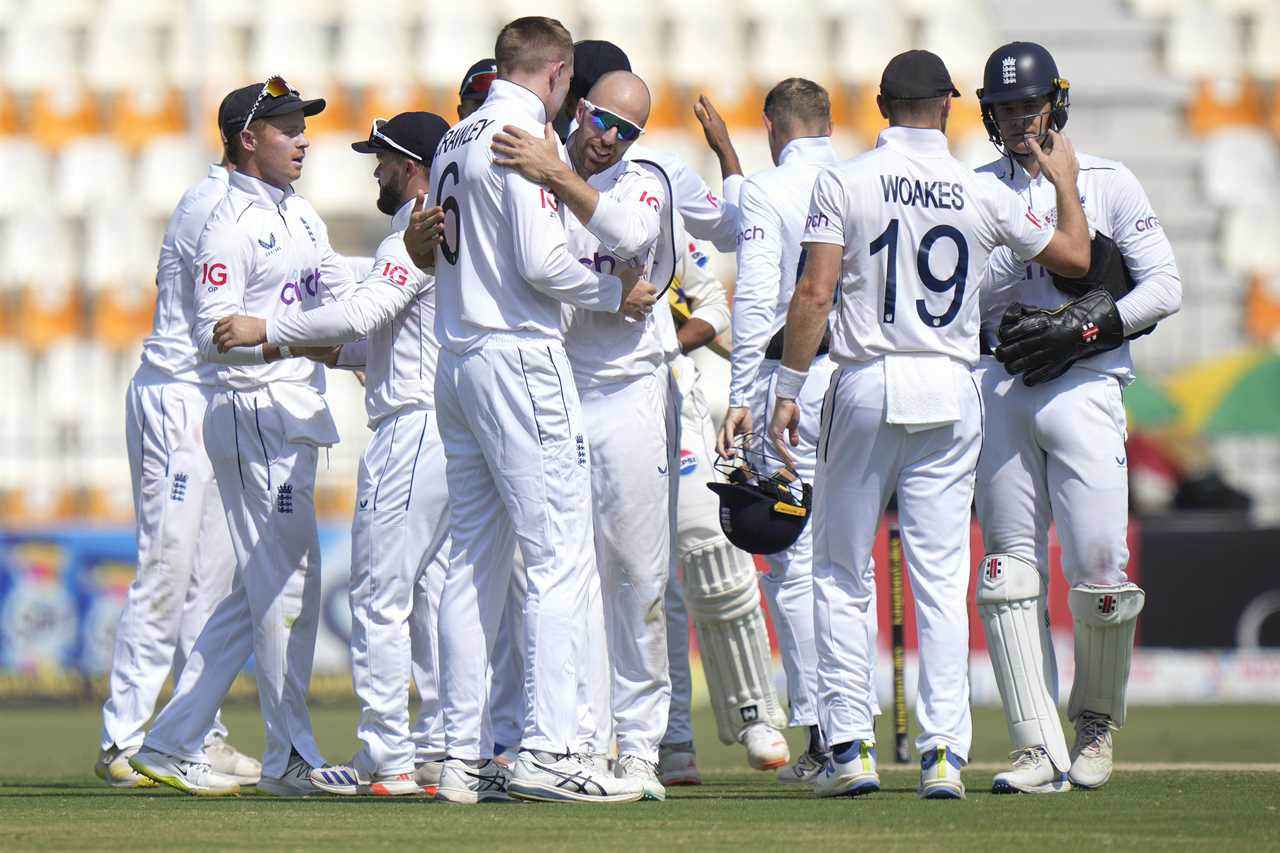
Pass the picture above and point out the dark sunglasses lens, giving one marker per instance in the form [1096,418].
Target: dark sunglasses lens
[627,131]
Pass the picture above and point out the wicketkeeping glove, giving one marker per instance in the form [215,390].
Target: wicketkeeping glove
[1041,344]
[1107,271]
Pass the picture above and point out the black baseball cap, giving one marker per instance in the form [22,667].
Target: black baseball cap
[916,74]
[413,134]
[237,105]
[592,59]
[478,79]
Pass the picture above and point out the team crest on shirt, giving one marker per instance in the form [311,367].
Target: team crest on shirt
[284,498]
[179,491]
[581,444]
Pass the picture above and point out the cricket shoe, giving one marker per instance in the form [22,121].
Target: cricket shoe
[1091,753]
[229,761]
[849,772]
[296,781]
[471,781]
[940,775]
[191,777]
[505,755]
[566,778]
[766,747]
[1032,773]
[427,775]
[677,764]
[113,768]
[805,771]
[645,773]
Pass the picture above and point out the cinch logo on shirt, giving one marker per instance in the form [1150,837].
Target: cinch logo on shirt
[292,290]
[600,263]
[817,220]
[214,274]
[1147,223]
[755,232]
[943,195]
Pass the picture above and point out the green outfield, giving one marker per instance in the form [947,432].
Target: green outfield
[50,800]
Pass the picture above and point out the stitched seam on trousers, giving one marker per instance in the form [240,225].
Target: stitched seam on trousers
[414,470]
[266,460]
[235,424]
[391,447]
[164,432]
[532,405]
[564,405]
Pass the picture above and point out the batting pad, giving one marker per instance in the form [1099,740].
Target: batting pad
[1106,618]
[724,602]
[1015,615]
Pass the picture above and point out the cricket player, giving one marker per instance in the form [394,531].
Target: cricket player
[265,252]
[720,583]
[401,511]
[629,401]
[475,86]
[185,560]
[1054,449]
[904,231]
[517,455]
[772,208]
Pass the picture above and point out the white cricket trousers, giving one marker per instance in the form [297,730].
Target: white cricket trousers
[185,560]
[265,461]
[517,461]
[861,461]
[401,521]
[1055,453]
[634,430]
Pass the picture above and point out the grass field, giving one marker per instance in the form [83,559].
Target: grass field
[1158,800]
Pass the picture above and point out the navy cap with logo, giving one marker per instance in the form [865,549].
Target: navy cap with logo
[478,79]
[916,74]
[592,59]
[414,134]
[262,100]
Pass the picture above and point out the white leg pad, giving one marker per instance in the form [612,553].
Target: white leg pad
[724,603]
[1106,618]
[1014,614]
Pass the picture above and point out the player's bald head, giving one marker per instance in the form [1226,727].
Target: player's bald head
[623,93]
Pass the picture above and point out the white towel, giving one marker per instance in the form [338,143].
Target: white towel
[920,390]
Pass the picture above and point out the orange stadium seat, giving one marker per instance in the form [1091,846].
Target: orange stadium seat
[46,318]
[338,113]
[137,116]
[62,114]
[8,114]
[864,115]
[389,100]
[121,319]
[1219,104]
[1262,308]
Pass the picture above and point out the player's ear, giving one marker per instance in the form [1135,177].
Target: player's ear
[248,141]
[880,104]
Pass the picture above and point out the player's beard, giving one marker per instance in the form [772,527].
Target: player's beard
[388,199]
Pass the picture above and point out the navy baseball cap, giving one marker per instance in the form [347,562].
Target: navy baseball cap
[262,100]
[414,134]
[478,79]
[592,59]
[916,74]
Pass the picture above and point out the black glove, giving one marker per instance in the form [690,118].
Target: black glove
[1107,271]
[1041,344]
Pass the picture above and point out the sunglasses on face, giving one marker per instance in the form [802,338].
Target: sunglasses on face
[275,87]
[376,134]
[606,121]
[477,85]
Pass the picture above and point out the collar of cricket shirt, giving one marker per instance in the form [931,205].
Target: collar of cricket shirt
[260,191]
[400,221]
[505,90]
[924,141]
[808,149]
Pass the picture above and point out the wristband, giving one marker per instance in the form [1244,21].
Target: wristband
[285,352]
[789,383]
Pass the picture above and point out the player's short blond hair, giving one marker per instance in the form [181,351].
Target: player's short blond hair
[527,44]
[798,104]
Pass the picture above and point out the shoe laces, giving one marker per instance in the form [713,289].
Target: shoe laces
[634,765]
[809,763]
[298,766]
[1095,729]
[1028,758]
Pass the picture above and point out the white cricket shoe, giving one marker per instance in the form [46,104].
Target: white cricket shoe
[850,772]
[113,768]
[643,772]
[195,778]
[296,781]
[229,761]
[1091,754]
[468,782]
[348,781]
[427,775]
[940,775]
[808,768]
[766,747]
[564,778]
[678,764]
[1032,773]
